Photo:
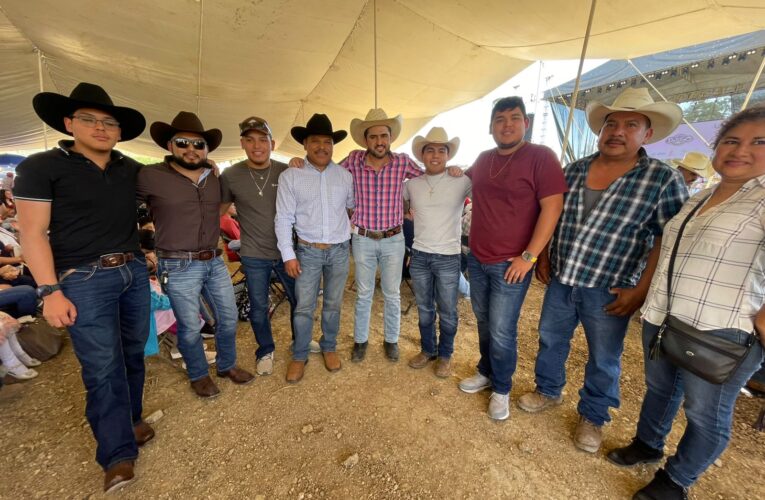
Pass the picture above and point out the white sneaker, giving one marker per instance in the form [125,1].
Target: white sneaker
[265,364]
[21,372]
[499,406]
[27,359]
[476,383]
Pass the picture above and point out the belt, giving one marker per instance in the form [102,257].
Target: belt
[201,255]
[112,260]
[378,235]
[320,246]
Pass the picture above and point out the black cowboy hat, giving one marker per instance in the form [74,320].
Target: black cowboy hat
[318,125]
[53,108]
[184,121]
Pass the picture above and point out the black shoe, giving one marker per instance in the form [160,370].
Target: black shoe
[662,488]
[359,351]
[391,350]
[636,453]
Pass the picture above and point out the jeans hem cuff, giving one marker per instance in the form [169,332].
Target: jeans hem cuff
[120,460]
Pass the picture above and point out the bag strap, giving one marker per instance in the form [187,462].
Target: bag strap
[672,256]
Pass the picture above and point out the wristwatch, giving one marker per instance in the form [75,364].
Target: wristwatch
[45,290]
[528,256]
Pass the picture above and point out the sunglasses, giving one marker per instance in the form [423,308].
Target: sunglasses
[182,143]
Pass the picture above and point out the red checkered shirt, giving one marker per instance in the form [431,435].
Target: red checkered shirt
[379,204]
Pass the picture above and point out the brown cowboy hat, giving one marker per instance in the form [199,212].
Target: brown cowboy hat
[184,121]
[318,124]
[53,108]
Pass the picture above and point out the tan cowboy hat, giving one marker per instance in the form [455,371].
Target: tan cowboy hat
[697,163]
[664,116]
[436,135]
[374,117]
[184,121]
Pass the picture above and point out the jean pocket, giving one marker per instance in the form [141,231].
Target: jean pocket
[77,275]
[171,266]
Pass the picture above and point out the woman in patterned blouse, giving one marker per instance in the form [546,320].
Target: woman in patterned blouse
[718,286]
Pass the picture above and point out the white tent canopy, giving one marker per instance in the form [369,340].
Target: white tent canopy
[287,59]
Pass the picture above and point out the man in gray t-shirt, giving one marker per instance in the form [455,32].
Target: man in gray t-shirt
[436,200]
[252,185]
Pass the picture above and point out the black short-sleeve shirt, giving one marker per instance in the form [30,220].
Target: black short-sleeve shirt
[93,211]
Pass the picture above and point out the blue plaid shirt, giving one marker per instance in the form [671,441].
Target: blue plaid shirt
[610,246]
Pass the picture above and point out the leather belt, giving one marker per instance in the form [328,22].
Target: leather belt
[320,246]
[201,255]
[378,235]
[109,260]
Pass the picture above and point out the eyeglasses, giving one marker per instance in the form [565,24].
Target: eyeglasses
[91,121]
[183,143]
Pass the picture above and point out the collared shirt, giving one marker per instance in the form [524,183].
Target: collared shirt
[718,278]
[93,211]
[315,203]
[610,246]
[378,194]
[186,215]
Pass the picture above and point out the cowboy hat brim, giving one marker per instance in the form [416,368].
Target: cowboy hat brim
[664,116]
[300,134]
[704,172]
[53,108]
[419,143]
[359,126]
[162,133]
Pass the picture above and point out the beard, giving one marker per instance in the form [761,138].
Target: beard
[377,155]
[508,145]
[190,166]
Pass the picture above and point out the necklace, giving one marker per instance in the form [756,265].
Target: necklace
[260,188]
[507,162]
[432,187]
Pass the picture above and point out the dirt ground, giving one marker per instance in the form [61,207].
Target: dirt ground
[373,430]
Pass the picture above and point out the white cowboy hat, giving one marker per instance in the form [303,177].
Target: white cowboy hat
[374,117]
[664,116]
[697,163]
[436,135]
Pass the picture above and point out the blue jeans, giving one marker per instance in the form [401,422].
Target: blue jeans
[188,280]
[18,300]
[108,337]
[258,274]
[497,306]
[563,308]
[367,254]
[708,407]
[332,265]
[435,278]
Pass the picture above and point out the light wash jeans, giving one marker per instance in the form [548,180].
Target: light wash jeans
[388,253]
[188,280]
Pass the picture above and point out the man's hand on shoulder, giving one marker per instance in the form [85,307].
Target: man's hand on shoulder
[297,163]
[455,171]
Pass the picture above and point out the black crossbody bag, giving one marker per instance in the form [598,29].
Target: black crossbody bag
[707,356]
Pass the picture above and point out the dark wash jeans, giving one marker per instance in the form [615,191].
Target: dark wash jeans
[497,306]
[435,279]
[258,274]
[108,336]
[708,407]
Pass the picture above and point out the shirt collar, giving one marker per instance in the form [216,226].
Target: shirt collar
[66,145]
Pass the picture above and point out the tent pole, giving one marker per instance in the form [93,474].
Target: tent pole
[754,84]
[374,35]
[40,77]
[199,55]
[665,100]
[576,84]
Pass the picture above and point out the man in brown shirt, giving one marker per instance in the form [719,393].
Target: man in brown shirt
[184,198]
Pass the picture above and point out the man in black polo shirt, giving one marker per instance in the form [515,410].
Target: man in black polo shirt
[184,198]
[92,278]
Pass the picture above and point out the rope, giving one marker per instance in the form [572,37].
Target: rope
[40,77]
[374,21]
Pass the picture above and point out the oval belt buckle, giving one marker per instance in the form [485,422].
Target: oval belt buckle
[689,353]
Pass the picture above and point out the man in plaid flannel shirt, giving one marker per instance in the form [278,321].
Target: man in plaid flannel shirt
[603,254]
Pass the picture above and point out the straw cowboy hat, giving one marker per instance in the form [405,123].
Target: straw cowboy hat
[436,135]
[697,163]
[318,124]
[53,108]
[664,116]
[185,121]
[374,117]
